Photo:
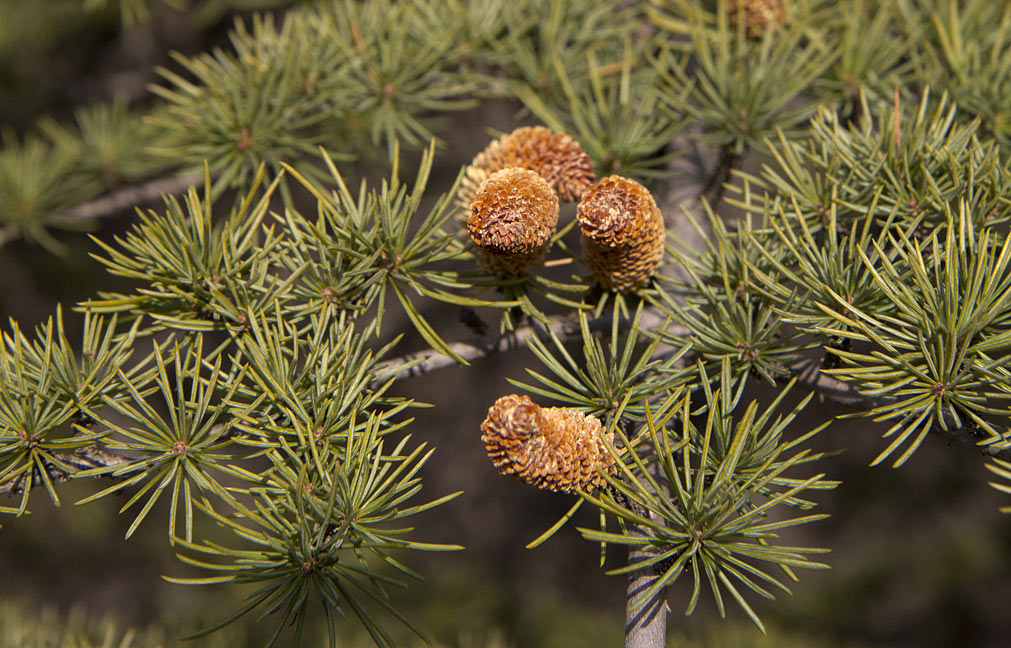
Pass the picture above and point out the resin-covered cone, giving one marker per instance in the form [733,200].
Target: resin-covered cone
[555,448]
[512,217]
[623,233]
[556,157]
[757,15]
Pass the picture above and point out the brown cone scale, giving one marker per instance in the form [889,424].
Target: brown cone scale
[556,157]
[512,218]
[757,15]
[555,448]
[623,233]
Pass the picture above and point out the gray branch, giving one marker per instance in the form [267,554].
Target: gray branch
[564,327]
[86,458]
[809,373]
[129,197]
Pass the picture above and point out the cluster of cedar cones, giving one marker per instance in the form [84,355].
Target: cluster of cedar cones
[512,189]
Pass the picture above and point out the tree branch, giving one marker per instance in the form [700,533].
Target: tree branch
[809,373]
[129,197]
[86,458]
[647,625]
[565,327]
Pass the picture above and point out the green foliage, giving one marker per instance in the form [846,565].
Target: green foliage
[322,535]
[175,443]
[360,248]
[871,49]
[725,477]
[1003,471]
[939,345]
[617,118]
[743,89]
[46,393]
[904,164]
[880,236]
[403,64]
[726,316]
[245,375]
[268,101]
[616,382]
[965,51]
[309,387]
[296,386]
[77,629]
[803,265]
[546,46]
[61,166]
[109,144]
[36,181]
[194,273]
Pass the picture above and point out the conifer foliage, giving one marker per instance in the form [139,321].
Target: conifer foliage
[244,376]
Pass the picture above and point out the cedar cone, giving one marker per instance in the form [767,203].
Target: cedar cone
[556,448]
[757,15]
[512,218]
[623,233]
[555,156]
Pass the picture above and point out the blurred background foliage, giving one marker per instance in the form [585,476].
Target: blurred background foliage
[91,102]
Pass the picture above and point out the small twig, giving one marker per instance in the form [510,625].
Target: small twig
[128,197]
[725,165]
[86,458]
[91,457]
[564,327]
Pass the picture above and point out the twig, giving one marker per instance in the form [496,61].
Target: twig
[809,373]
[128,197]
[725,165]
[564,327]
[86,458]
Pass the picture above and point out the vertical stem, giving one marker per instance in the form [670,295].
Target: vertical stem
[645,621]
[645,626]
[725,165]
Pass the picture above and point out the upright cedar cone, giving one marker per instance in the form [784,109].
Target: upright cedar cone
[623,233]
[556,448]
[757,15]
[512,218]
[555,156]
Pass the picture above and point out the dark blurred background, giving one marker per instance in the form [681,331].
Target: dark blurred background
[919,555]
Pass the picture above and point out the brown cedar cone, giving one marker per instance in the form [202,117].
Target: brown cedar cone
[623,233]
[757,15]
[512,218]
[555,156]
[556,448]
